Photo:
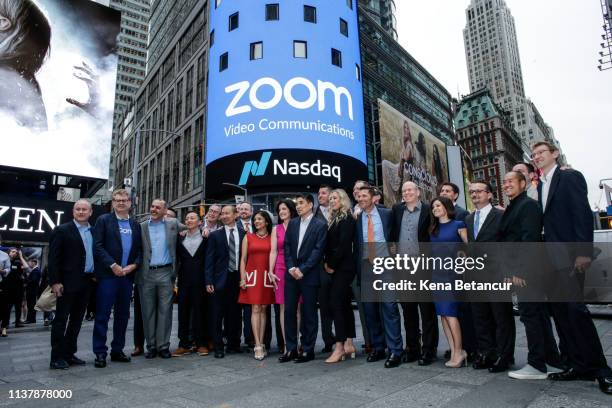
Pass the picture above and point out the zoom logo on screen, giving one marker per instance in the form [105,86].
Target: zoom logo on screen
[288,168]
[315,95]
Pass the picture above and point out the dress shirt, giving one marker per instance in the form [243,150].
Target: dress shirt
[545,179]
[379,234]
[250,227]
[482,216]
[191,242]
[532,190]
[325,211]
[236,240]
[5,264]
[304,223]
[160,255]
[409,230]
[85,232]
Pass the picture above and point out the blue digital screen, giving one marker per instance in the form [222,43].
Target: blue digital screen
[277,81]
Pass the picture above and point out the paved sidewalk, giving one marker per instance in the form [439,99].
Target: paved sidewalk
[241,381]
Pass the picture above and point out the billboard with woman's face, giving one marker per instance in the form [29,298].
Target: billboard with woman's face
[409,153]
[58,68]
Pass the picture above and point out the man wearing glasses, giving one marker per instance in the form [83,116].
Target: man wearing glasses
[563,197]
[117,254]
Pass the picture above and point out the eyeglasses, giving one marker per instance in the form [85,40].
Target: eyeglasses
[539,153]
[477,191]
[122,201]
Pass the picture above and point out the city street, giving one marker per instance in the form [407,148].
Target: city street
[241,381]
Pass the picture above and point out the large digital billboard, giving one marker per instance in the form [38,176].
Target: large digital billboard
[409,153]
[58,68]
[285,97]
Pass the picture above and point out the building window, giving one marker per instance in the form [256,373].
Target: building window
[233,21]
[336,57]
[218,3]
[256,50]
[272,12]
[310,14]
[344,27]
[357,72]
[212,38]
[223,62]
[349,3]
[300,49]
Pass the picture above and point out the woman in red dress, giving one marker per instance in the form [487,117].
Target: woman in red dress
[256,281]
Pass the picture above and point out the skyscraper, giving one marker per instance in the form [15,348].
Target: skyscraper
[493,60]
[383,12]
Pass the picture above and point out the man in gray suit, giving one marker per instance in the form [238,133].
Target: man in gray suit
[155,279]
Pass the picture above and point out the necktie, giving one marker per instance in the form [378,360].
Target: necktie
[371,243]
[232,251]
[476,223]
[247,227]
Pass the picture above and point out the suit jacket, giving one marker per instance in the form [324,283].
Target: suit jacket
[460,213]
[489,232]
[172,230]
[424,221]
[568,216]
[319,214]
[191,270]
[310,257]
[66,262]
[522,221]
[339,248]
[386,217]
[107,245]
[217,257]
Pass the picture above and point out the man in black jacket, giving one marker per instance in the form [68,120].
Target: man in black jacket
[493,321]
[411,219]
[567,218]
[522,222]
[71,267]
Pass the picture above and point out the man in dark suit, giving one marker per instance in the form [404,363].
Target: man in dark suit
[71,271]
[117,255]
[222,282]
[32,282]
[451,191]
[567,218]
[304,247]
[374,227]
[322,212]
[522,222]
[493,321]
[411,220]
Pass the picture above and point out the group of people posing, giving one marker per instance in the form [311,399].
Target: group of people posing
[234,266]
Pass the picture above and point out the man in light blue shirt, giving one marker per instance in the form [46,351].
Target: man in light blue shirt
[155,280]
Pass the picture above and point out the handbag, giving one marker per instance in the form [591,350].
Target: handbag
[47,300]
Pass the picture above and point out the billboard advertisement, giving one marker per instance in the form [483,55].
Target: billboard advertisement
[409,153]
[285,95]
[58,68]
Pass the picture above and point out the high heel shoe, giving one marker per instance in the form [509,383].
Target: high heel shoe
[350,353]
[3,333]
[339,358]
[461,363]
[258,353]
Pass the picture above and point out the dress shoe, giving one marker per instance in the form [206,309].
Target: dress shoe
[393,361]
[528,372]
[376,356]
[367,348]
[100,361]
[181,351]
[305,357]
[482,363]
[58,365]
[202,351]
[165,353]
[427,359]
[151,354]
[605,384]
[17,325]
[137,351]
[219,354]
[410,356]
[290,356]
[569,375]
[462,363]
[499,366]
[327,349]
[74,360]
[120,357]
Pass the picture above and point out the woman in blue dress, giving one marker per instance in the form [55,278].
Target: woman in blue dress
[445,229]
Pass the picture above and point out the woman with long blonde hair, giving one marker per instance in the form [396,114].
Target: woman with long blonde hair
[340,264]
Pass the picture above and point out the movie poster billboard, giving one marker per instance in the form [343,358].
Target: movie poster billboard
[58,69]
[409,153]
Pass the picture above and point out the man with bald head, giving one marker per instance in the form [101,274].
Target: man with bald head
[527,170]
[155,280]
[71,272]
[411,220]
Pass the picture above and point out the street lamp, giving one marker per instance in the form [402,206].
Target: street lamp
[246,196]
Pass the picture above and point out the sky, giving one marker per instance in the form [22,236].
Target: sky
[559,44]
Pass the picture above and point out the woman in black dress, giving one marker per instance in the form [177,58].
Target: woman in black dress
[340,264]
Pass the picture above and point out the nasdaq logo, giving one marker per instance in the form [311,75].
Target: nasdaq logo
[315,95]
[253,168]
